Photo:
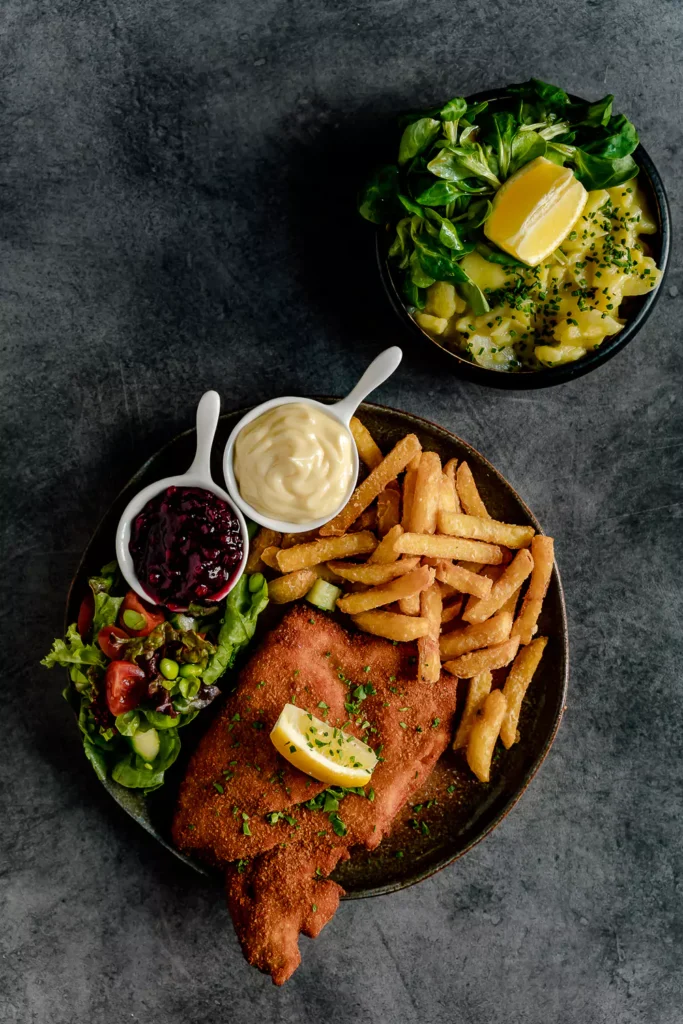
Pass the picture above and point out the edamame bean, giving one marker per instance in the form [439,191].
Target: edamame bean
[168,668]
[190,671]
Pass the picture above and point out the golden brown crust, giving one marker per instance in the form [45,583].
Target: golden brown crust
[313,660]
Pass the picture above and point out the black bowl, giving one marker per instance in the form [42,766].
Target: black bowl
[636,308]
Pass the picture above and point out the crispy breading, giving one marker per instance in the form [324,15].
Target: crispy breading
[310,659]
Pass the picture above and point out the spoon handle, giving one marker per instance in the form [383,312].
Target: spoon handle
[208,412]
[377,372]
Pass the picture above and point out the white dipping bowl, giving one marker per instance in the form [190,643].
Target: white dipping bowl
[342,417]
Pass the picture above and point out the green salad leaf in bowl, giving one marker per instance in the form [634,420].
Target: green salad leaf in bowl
[477,190]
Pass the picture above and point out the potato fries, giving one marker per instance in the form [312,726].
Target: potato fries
[265,538]
[448,547]
[269,557]
[472,638]
[404,586]
[392,625]
[484,733]
[542,554]
[303,556]
[426,494]
[468,665]
[428,659]
[410,605]
[450,471]
[451,611]
[503,589]
[388,510]
[290,540]
[463,580]
[407,495]
[456,524]
[291,587]
[386,549]
[373,574]
[479,688]
[448,499]
[368,451]
[468,493]
[388,469]
[429,565]
[516,685]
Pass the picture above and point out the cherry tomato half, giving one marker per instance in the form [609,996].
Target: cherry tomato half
[126,686]
[85,615]
[153,616]
[107,637]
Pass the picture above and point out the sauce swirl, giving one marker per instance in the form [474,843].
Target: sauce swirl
[294,462]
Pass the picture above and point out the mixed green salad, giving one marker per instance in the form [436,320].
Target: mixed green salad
[138,673]
[452,161]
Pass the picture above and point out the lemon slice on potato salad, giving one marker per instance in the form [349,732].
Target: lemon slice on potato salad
[318,749]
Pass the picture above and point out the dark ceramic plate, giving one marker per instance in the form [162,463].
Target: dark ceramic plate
[465,811]
[635,310]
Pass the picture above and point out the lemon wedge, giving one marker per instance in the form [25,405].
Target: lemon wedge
[320,750]
[535,210]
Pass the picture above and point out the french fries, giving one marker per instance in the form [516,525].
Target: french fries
[386,549]
[388,469]
[368,450]
[426,494]
[269,557]
[303,556]
[388,510]
[503,589]
[366,521]
[371,573]
[407,495]
[451,610]
[448,547]
[450,471]
[403,586]
[516,685]
[289,540]
[542,554]
[480,686]
[410,605]
[472,638]
[428,660]
[430,565]
[468,665]
[484,733]
[456,524]
[448,499]
[392,625]
[468,493]
[463,580]
[265,538]
[291,587]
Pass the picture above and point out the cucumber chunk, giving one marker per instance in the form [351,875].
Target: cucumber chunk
[323,595]
[146,743]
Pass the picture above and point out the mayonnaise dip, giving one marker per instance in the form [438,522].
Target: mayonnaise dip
[294,463]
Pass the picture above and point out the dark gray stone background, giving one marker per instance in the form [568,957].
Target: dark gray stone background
[176,213]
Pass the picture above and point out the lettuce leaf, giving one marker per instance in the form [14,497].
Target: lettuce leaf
[106,606]
[243,605]
[73,651]
[130,770]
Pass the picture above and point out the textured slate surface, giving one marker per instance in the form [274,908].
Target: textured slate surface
[176,187]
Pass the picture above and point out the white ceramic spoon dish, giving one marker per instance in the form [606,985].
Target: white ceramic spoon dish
[377,372]
[198,475]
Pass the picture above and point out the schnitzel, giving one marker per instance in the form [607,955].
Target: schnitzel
[277,832]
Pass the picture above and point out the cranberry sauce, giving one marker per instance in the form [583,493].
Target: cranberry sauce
[185,544]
